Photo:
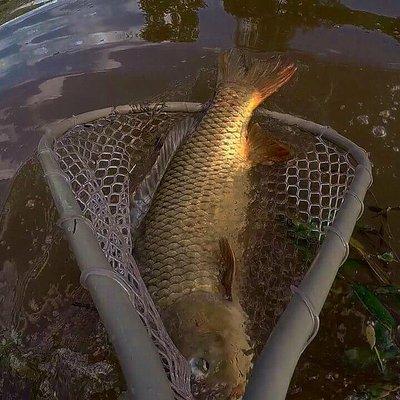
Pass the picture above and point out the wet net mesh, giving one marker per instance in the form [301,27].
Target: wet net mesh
[290,209]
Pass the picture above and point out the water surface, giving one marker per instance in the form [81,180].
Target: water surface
[60,58]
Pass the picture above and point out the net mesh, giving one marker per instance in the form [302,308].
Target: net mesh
[107,158]
[291,207]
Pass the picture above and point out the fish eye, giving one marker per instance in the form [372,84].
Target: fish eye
[199,366]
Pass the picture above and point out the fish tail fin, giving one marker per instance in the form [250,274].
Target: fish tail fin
[265,76]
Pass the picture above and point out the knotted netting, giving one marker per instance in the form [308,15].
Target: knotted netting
[107,158]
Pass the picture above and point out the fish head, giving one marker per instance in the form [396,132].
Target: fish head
[211,334]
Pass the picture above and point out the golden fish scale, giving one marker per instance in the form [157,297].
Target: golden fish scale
[179,244]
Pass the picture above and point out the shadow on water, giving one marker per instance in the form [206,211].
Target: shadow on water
[176,21]
[51,60]
[272,25]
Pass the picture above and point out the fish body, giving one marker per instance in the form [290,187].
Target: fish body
[186,249]
[183,225]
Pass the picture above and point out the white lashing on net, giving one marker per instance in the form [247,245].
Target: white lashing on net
[98,158]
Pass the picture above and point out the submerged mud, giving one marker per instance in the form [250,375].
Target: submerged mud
[52,343]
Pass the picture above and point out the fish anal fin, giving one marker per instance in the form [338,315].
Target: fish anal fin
[229,267]
[262,148]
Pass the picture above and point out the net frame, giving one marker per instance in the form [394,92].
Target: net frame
[51,155]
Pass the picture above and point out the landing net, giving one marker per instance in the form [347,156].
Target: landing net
[292,206]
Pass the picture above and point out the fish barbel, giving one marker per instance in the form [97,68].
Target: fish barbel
[186,249]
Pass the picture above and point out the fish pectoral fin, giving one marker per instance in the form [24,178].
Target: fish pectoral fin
[229,263]
[264,149]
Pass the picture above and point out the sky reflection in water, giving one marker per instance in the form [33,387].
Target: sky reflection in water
[53,60]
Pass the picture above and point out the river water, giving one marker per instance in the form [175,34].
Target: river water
[60,58]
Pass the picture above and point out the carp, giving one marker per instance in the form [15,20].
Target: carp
[190,208]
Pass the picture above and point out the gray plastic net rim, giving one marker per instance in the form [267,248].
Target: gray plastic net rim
[179,376]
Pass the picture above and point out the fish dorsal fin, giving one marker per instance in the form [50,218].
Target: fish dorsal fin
[143,195]
[261,148]
[229,265]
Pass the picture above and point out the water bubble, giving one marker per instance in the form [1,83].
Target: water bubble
[385,113]
[379,131]
[30,204]
[396,149]
[395,88]
[363,119]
